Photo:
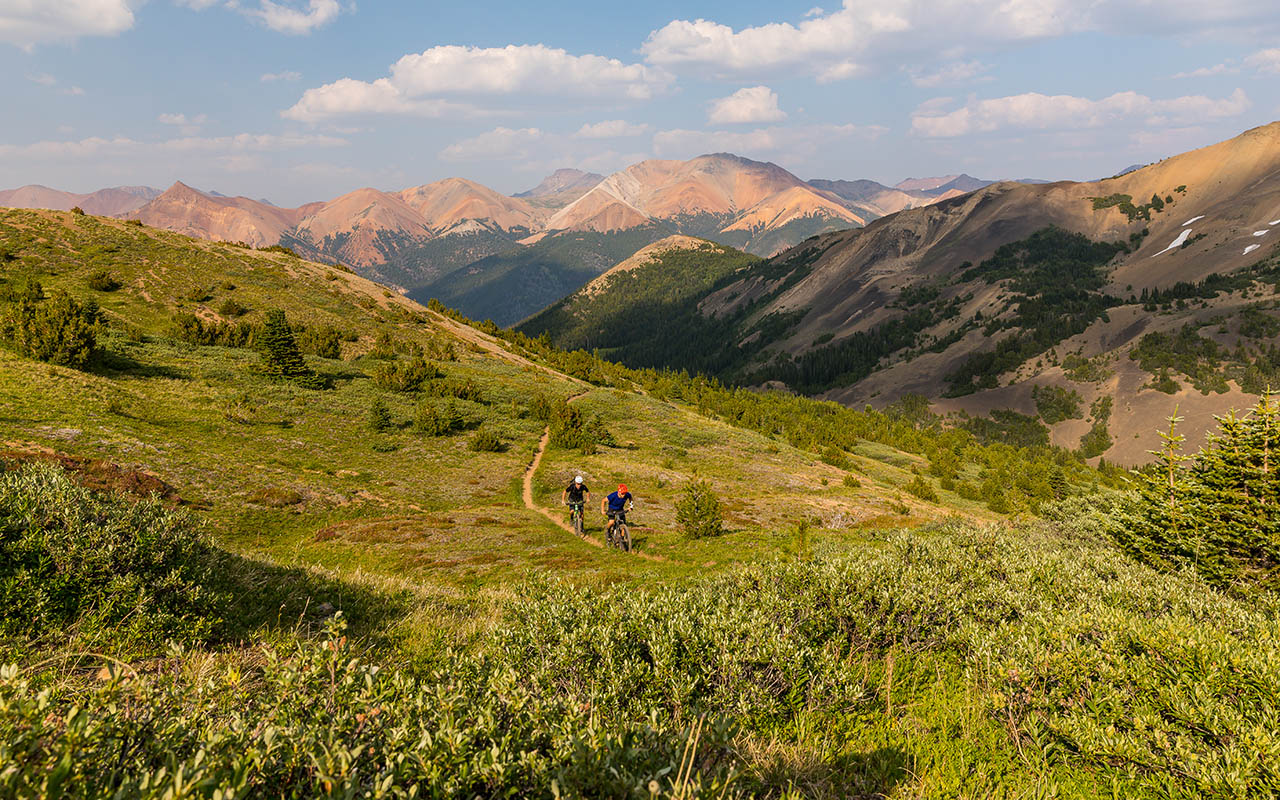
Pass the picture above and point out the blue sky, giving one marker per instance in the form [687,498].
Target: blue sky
[296,100]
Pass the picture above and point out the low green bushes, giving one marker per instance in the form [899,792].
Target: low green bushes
[437,419]
[405,376]
[923,489]
[58,329]
[312,719]
[323,340]
[108,572]
[486,441]
[574,429]
[102,281]
[193,330]
[986,661]
[1055,404]
[699,512]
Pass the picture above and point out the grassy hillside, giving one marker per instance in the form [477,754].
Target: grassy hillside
[292,473]
[647,316]
[317,600]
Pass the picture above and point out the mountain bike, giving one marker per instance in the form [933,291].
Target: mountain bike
[620,536]
[575,515]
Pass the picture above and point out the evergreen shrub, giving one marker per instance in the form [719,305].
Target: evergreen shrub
[281,357]
[405,376]
[1220,514]
[59,330]
[379,416]
[699,512]
[486,441]
[102,281]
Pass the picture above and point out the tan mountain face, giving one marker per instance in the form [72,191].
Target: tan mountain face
[1215,214]
[419,233]
[445,204]
[716,185]
[228,219]
[359,218]
[104,202]
[561,188]
[924,184]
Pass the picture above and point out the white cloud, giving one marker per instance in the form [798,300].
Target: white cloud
[610,129]
[951,74]
[96,147]
[26,23]
[45,79]
[348,96]
[1265,61]
[287,75]
[450,70]
[499,143]
[1208,72]
[791,144]
[182,119]
[293,21]
[1034,111]
[188,125]
[865,34]
[754,104]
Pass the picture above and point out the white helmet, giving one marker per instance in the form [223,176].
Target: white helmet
[577,479]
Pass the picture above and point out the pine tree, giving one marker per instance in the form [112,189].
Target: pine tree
[1223,514]
[281,357]
[379,416]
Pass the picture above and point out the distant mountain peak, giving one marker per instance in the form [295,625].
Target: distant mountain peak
[925,184]
[562,180]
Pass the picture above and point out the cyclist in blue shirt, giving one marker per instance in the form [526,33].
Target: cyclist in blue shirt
[615,504]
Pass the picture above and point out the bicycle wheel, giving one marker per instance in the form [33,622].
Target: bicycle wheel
[577,522]
[624,539]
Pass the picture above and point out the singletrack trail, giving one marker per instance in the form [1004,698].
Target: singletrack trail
[528,491]
[559,519]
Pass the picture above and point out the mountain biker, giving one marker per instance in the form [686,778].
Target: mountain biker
[576,493]
[615,504]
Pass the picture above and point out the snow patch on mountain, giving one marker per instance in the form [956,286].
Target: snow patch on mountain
[1182,238]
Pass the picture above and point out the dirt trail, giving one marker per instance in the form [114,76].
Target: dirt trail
[559,519]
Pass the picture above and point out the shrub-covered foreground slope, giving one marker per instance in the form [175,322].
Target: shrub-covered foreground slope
[866,625]
[952,662]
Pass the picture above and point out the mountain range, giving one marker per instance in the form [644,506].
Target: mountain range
[460,241]
[104,202]
[1093,307]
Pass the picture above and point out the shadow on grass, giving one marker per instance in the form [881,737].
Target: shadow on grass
[263,596]
[868,775]
[113,364]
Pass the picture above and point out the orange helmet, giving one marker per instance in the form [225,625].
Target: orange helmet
[622,488]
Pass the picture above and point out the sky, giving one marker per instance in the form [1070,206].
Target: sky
[300,100]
